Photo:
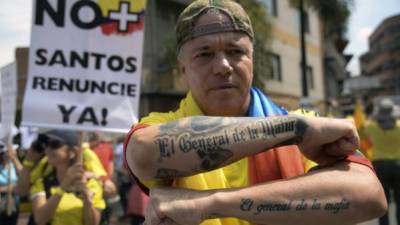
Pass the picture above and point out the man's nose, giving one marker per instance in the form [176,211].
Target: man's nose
[222,65]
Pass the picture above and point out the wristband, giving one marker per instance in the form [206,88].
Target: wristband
[28,164]
[58,191]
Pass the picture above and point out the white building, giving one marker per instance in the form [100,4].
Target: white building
[286,88]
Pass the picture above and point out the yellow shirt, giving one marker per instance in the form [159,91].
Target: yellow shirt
[385,143]
[70,208]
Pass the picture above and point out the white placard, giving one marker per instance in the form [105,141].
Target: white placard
[8,101]
[85,64]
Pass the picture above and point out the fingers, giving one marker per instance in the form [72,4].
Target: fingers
[77,171]
[74,176]
[342,147]
[151,216]
[354,139]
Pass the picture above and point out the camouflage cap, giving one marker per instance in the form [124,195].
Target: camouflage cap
[186,29]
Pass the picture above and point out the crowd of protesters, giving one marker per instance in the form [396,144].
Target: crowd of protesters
[68,177]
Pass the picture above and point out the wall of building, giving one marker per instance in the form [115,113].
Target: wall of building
[286,43]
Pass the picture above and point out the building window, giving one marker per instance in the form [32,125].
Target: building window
[306,21]
[310,78]
[272,6]
[276,71]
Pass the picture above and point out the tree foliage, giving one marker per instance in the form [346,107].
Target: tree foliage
[334,14]
[262,39]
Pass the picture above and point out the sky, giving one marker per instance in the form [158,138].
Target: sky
[15,26]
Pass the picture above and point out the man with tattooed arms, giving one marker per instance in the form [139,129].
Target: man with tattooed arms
[229,156]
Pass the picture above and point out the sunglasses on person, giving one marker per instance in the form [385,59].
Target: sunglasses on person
[52,143]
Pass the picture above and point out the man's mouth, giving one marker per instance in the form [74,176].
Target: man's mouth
[224,87]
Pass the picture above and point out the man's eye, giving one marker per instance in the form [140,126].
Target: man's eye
[236,52]
[204,55]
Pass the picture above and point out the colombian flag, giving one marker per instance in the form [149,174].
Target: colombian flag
[135,7]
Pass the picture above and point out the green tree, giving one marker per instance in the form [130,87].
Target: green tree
[262,40]
[334,14]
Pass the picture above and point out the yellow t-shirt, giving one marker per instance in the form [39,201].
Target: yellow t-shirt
[385,143]
[70,208]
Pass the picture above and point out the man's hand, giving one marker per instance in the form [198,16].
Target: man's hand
[328,140]
[75,174]
[170,206]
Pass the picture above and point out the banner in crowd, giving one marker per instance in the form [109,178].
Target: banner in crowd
[8,101]
[85,64]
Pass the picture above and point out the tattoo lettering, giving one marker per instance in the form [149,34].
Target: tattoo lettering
[210,137]
[205,136]
[335,207]
[277,126]
[166,146]
[246,205]
[273,207]
[316,205]
[300,129]
[189,141]
[302,205]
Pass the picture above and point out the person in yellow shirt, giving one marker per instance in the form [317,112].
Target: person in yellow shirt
[66,194]
[229,156]
[384,132]
[35,165]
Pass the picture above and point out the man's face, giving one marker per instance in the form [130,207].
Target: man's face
[219,69]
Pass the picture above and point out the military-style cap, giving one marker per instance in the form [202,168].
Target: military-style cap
[186,29]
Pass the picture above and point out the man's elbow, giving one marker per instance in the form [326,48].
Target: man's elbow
[140,158]
[375,203]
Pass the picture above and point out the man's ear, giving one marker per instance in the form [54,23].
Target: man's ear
[181,67]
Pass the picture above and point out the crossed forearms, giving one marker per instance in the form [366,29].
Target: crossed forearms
[355,195]
[196,144]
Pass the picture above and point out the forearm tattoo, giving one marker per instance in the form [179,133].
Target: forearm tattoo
[302,205]
[211,137]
